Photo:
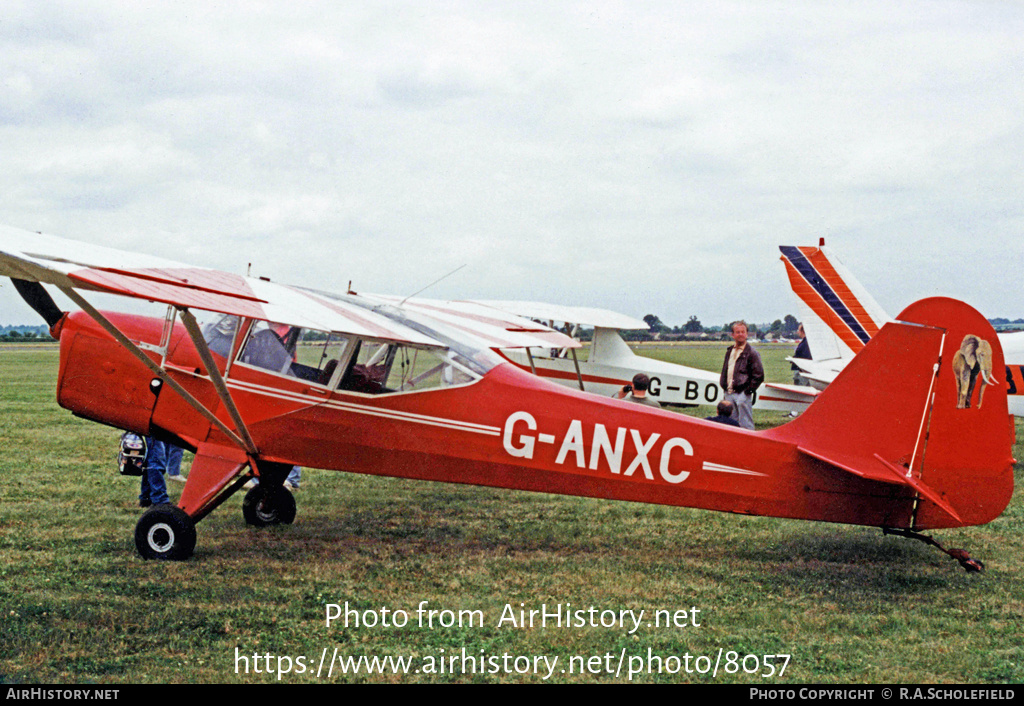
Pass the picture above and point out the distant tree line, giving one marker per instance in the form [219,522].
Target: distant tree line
[780,328]
[785,327]
[25,333]
[1003,325]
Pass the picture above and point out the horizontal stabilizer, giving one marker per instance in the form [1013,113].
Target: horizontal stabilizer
[886,472]
[802,390]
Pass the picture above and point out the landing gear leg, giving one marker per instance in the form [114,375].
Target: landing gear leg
[169,531]
[970,565]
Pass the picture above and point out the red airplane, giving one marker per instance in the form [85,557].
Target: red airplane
[284,375]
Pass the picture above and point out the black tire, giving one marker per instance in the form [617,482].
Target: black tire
[265,506]
[165,532]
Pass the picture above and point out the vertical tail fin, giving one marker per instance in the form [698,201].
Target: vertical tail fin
[839,315]
[901,413]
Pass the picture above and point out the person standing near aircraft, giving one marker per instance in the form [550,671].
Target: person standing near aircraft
[803,351]
[291,482]
[637,392]
[154,486]
[742,374]
[174,454]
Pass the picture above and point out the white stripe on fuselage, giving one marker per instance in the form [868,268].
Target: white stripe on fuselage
[364,409]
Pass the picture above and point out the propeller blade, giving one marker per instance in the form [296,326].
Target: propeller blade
[39,299]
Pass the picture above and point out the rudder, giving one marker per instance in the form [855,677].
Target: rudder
[892,415]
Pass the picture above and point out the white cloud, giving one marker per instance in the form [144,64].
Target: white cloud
[647,157]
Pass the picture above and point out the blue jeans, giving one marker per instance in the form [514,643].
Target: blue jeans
[294,476]
[174,459]
[154,486]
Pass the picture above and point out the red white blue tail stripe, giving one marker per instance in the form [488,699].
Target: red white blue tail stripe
[854,318]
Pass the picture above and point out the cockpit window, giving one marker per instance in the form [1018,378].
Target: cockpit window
[418,369]
[268,347]
[296,352]
[349,363]
[384,368]
[220,333]
[318,355]
[369,368]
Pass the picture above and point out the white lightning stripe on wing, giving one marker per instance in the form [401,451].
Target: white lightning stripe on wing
[719,468]
[366,409]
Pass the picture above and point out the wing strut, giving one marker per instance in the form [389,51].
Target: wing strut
[576,362]
[192,326]
[156,369]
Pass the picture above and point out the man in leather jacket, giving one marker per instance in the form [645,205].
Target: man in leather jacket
[742,374]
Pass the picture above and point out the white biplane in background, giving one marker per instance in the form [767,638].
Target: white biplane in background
[840,317]
[611,363]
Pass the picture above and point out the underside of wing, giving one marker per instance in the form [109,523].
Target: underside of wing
[488,326]
[69,264]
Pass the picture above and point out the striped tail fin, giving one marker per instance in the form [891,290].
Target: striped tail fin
[839,315]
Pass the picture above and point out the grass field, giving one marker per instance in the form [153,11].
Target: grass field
[848,604]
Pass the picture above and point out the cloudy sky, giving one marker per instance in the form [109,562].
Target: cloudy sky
[647,157]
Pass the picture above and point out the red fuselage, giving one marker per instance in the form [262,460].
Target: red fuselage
[508,429]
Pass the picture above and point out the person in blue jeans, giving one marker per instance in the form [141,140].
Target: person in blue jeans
[174,463]
[291,482]
[154,487]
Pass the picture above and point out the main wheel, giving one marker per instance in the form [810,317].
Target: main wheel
[165,532]
[264,506]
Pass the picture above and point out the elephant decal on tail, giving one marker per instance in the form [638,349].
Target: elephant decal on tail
[974,359]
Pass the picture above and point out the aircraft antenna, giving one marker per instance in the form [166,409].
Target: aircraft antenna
[431,284]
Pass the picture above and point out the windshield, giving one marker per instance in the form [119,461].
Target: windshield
[464,348]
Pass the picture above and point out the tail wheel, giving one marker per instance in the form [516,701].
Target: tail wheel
[165,532]
[265,506]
